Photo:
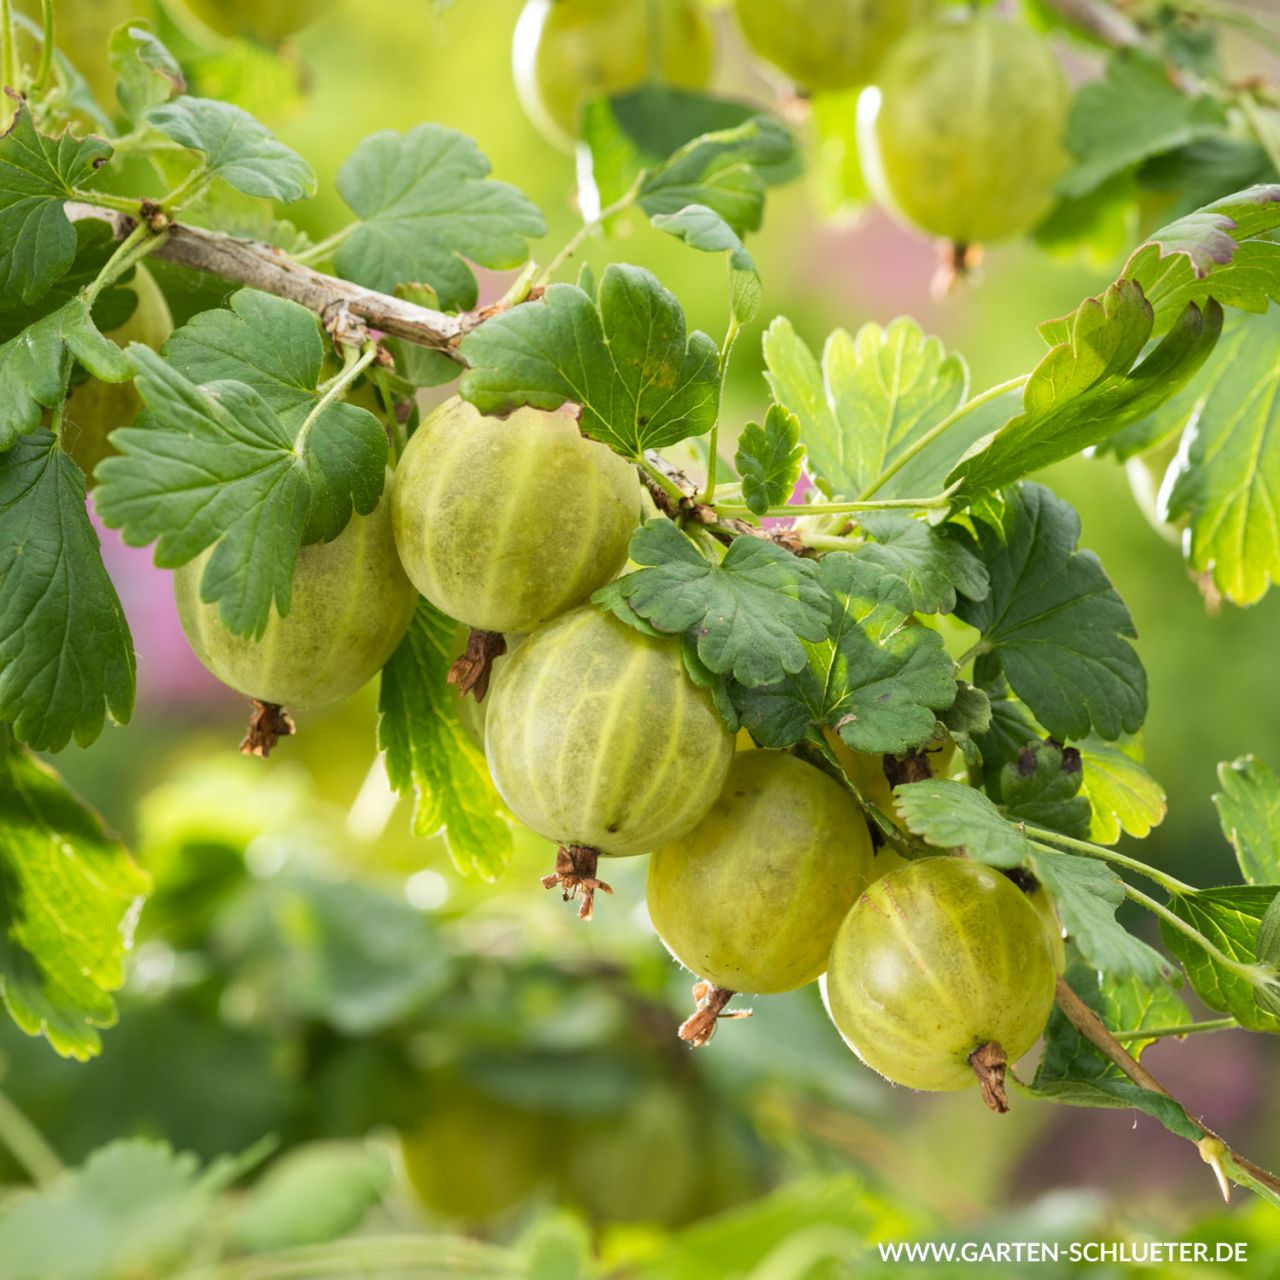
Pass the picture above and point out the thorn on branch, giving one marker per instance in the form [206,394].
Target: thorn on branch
[268,723]
[700,1026]
[576,873]
[472,671]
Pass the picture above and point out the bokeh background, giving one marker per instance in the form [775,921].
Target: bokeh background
[308,969]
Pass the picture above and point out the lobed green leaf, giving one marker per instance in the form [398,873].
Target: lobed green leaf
[1249,810]
[769,459]
[428,751]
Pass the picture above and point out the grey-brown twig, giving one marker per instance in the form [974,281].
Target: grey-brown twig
[263,266]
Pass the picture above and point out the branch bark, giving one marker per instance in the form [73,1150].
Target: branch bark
[263,266]
[1089,1025]
[1101,20]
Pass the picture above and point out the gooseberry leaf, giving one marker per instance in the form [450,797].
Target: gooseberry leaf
[1054,624]
[641,381]
[237,148]
[931,565]
[37,173]
[1226,479]
[1041,786]
[1123,1004]
[1088,386]
[275,347]
[35,366]
[216,464]
[704,229]
[66,655]
[1249,810]
[133,1207]
[95,243]
[1223,250]
[879,679]
[969,715]
[874,396]
[747,615]
[726,171]
[1134,112]
[425,203]
[1086,893]
[638,130]
[147,74]
[69,897]
[1231,919]
[428,751]
[769,458]
[1124,797]
[951,815]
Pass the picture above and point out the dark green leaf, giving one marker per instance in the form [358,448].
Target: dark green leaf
[213,464]
[1134,112]
[275,348]
[237,148]
[932,565]
[1249,811]
[428,750]
[69,897]
[769,459]
[1054,623]
[35,366]
[426,202]
[727,171]
[1088,386]
[1121,1093]
[1226,481]
[1042,786]
[704,229]
[37,242]
[969,716]
[641,382]
[1123,1004]
[880,679]
[747,615]
[643,127]
[146,72]
[66,656]
[1231,919]
[873,397]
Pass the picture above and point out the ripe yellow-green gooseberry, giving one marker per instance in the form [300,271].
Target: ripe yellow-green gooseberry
[941,973]
[351,605]
[566,52]
[750,899]
[267,22]
[962,132]
[503,523]
[596,738]
[828,44]
[95,409]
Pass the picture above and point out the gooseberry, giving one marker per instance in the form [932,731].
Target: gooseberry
[505,523]
[962,133]
[566,52]
[828,44]
[95,409]
[941,972]
[266,21]
[351,605]
[751,898]
[597,739]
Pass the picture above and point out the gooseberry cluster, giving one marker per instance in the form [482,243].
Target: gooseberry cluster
[763,874]
[959,125]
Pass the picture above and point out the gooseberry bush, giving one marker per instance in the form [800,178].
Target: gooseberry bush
[843,672]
